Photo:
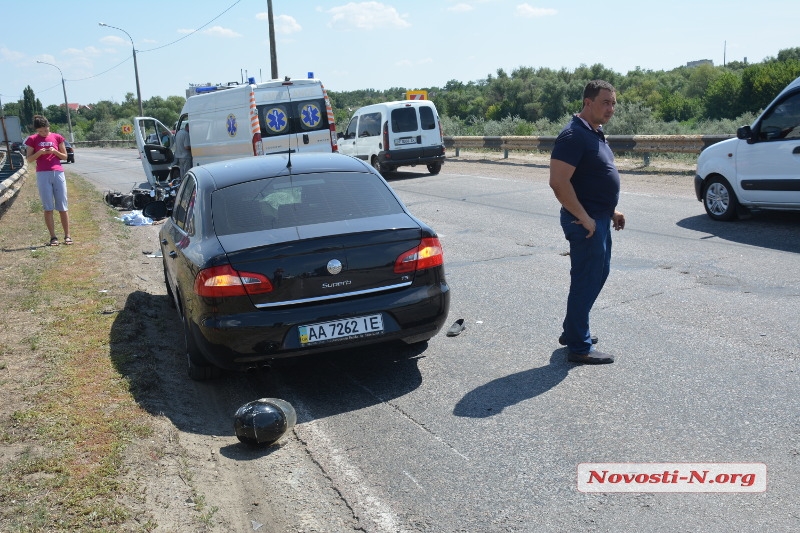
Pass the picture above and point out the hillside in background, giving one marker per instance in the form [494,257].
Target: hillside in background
[698,99]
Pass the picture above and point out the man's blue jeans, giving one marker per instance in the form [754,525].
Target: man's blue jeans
[590,261]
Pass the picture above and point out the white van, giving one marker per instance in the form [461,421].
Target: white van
[760,168]
[396,134]
[228,122]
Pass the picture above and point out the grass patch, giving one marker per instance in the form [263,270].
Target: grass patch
[79,413]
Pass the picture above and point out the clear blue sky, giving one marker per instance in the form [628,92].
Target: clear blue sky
[361,45]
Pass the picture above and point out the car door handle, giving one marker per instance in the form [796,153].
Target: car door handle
[164,242]
[173,254]
[305,138]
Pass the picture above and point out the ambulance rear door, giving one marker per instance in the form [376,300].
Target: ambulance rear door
[295,116]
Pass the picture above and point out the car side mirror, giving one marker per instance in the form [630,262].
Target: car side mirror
[340,135]
[744,133]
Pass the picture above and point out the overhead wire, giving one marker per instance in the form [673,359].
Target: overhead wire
[159,47]
[193,32]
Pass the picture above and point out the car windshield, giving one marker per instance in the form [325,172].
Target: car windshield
[289,201]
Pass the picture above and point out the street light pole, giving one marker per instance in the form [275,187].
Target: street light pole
[66,102]
[135,66]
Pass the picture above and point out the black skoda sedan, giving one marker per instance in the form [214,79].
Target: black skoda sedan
[284,255]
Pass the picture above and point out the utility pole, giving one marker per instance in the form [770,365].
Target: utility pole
[273,54]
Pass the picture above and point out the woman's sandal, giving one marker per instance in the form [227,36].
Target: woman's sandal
[67,241]
[54,241]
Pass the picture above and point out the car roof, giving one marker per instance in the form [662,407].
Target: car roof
[233,171]
[396,104]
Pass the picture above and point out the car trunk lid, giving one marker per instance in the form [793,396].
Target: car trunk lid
[316,262]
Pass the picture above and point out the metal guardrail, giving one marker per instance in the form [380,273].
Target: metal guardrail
[10,186]
[644,144]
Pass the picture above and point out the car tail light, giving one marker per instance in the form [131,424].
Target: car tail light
[427,255]
[386,136]
[258,147]
[224,281]
[331,120]
[334,140]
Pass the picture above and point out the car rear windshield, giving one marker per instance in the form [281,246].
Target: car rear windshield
[289,201]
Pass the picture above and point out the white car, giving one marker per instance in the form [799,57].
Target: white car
[760,168]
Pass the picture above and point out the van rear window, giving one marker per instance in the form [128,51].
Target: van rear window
[427,118]
[404,119]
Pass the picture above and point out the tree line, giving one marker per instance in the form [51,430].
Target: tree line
[700,99]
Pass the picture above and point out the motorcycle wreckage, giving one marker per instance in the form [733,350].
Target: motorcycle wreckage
[156,202]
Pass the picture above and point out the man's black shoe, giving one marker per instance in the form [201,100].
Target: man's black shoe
[563,341]
[592,358]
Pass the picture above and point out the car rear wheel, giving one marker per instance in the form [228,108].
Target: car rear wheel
[199,367]
[375,163]
[719,199]
[434,168]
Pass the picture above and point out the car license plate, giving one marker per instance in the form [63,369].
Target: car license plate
[405,140]
[362,326]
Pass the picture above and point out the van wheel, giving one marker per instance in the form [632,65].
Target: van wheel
[375,163]
[434,168]
[719,199]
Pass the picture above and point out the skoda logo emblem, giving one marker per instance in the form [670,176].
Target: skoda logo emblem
[334,266]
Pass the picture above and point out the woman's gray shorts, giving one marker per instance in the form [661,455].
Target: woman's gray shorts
[52,189]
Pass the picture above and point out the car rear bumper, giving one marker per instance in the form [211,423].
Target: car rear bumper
[248,340]
[412,156]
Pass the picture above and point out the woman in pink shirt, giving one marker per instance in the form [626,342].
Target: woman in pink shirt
[48,149]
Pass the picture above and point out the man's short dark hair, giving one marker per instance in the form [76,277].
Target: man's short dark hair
[40,122]
[594,87]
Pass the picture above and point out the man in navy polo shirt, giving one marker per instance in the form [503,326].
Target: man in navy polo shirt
[585,180]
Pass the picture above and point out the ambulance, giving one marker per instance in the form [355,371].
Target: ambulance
[241,120]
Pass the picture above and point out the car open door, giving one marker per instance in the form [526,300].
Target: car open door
[154,141]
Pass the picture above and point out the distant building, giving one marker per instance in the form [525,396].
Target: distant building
[76,107]
[700,62]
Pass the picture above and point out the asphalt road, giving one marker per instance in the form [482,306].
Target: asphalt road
[485,431]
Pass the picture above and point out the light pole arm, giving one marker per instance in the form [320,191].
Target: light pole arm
[66,101]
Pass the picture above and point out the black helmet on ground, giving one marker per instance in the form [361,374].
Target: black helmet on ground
[263,422]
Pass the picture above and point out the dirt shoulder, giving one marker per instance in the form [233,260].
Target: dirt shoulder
[183,469]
